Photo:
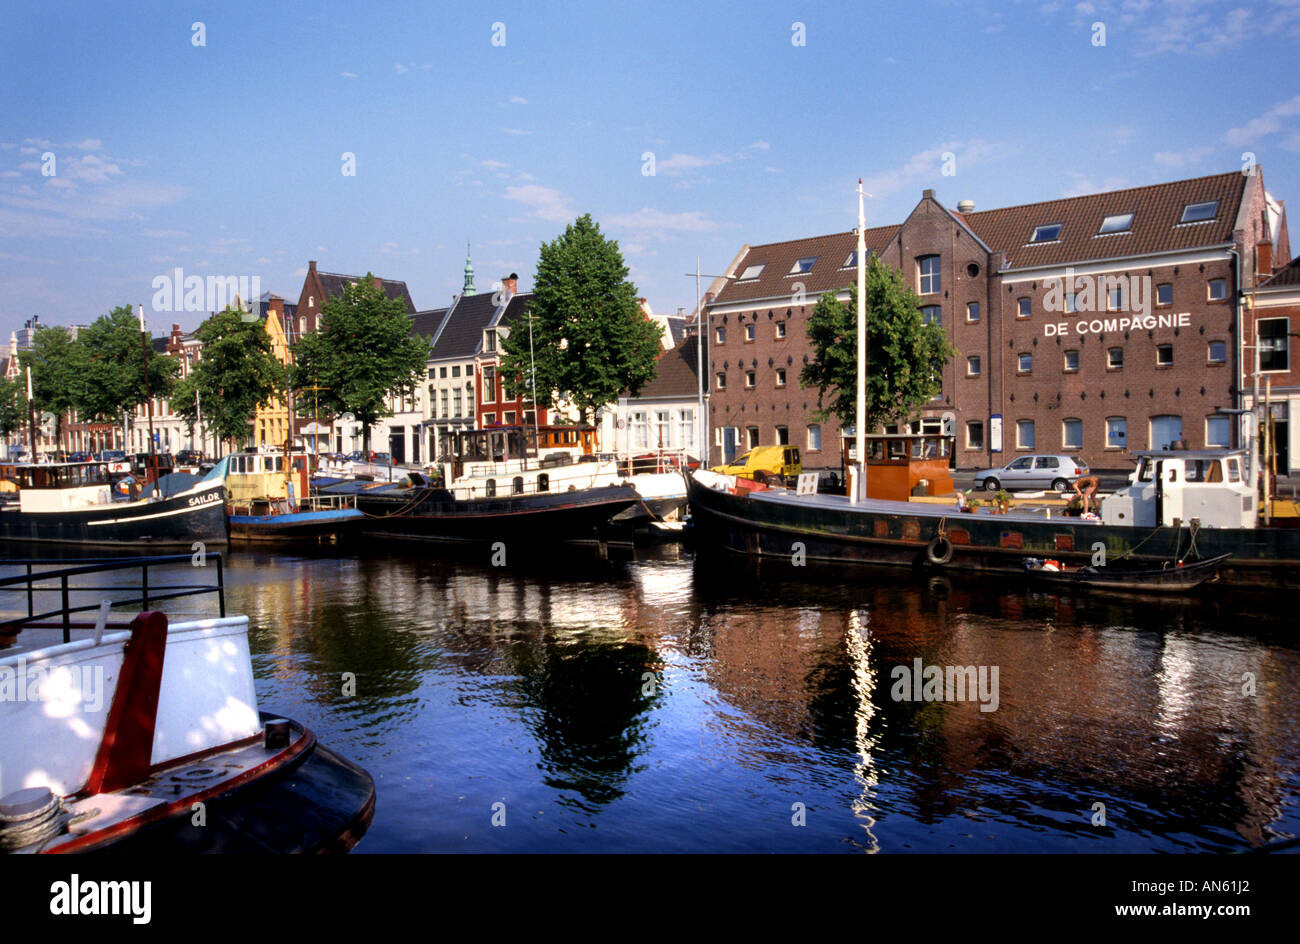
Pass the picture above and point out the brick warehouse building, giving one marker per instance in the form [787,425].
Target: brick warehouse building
[1056,353]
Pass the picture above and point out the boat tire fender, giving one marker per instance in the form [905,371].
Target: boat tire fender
[939,551]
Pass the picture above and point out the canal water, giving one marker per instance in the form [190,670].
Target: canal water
[650,701]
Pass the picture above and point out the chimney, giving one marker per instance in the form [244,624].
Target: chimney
[966,206]
[277,305]
[379,283]
[927,194]
[510,284]
[1264,259]
[311,267]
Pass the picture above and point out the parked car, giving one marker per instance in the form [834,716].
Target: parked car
[189,457]
[79,457]
[1056,472]
[780,462]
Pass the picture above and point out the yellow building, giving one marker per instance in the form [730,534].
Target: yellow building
[271,423]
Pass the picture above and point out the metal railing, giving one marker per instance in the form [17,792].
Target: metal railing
[28,583]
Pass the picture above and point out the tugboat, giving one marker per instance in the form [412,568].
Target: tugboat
[147,738]
[269,500]
[497,489]
[86,503]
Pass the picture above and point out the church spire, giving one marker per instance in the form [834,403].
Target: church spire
[469,274]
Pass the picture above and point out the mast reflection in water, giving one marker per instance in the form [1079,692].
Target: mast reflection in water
[658,703]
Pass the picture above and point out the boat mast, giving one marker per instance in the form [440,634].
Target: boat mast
[859,490]
[148,399]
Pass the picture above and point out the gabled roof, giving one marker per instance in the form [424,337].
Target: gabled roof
[1286,277]
[827,274]
[461,334]
[334,285]
[516,309]
[1156,211]
[676,375]
[425,323]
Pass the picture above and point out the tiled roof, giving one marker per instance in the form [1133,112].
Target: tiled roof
[1156,209]
[335,284]
[461,333]
[1156,212]
[1284,277]
[425,323]
[778,259]
[676,375]
[515,309]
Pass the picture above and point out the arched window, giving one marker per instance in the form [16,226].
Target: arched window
[517,486]
[491,488]
[543,482]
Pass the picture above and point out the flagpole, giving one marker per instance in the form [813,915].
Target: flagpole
[31,416]
[859,491]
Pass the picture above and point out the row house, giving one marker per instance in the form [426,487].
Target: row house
[1272,320]
[663,418]
[271,422]
[495,407]
[1096,325]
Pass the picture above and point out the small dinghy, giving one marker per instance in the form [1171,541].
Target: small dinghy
[1174,577]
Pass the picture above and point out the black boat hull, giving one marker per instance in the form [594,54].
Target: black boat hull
[896,534]
[180,521]
[539,519]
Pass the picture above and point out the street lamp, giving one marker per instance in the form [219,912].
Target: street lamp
[701,339]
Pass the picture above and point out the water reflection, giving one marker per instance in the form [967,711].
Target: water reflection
[659,702]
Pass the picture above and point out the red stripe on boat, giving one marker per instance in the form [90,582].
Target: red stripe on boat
[126,749]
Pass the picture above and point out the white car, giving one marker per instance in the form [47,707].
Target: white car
[1056,472]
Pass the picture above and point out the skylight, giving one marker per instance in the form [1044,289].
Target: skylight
[803,265]
[1198,212]
[852,261]
[753,272]
[1046,233]
[1119,223]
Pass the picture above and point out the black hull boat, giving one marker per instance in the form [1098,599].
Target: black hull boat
[778,523]
[158,745]
[1173,577]
[198,514]
[537,520]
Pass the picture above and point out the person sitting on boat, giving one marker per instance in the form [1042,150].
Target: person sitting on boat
[961,500]
[1086,487]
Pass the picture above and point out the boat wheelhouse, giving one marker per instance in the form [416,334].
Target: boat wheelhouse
[1207,486]
[270,499]
[523,460]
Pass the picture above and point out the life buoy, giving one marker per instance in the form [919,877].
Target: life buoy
[939,551]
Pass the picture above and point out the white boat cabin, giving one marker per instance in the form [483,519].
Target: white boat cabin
[518,460]
[267,476]
[1208,486]
[62,486]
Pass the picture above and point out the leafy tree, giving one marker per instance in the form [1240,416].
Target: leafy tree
[905,358]
[58,372]
[362,350]
[236,375]
[115,360]
[590,340]
[13,404]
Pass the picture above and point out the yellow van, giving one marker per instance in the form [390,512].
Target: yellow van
[766,462]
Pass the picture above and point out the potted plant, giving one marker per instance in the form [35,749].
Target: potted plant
[971,506]
[1002,498]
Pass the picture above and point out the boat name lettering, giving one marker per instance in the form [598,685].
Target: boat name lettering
[206,499]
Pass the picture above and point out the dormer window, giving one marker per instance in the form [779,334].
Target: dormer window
[1119,223]
[1048,232]
[1200,212]
[752,272]
[489,341]
[803,265]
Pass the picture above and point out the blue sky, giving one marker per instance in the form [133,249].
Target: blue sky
[227,158]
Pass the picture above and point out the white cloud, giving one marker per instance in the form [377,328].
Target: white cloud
[403,68]
[649,221]
[349,75]
[493,165]
[518,100]
[678,164]
[925,166]
[546,203]
[1184,158]
[1267,123]
[515,131]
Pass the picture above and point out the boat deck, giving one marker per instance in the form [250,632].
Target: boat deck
[841,503]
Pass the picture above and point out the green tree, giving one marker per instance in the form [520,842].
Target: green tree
[236,375]
[590,340]
[362,350]
[58,371]
[905,358]
[13,404]
[115,359]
